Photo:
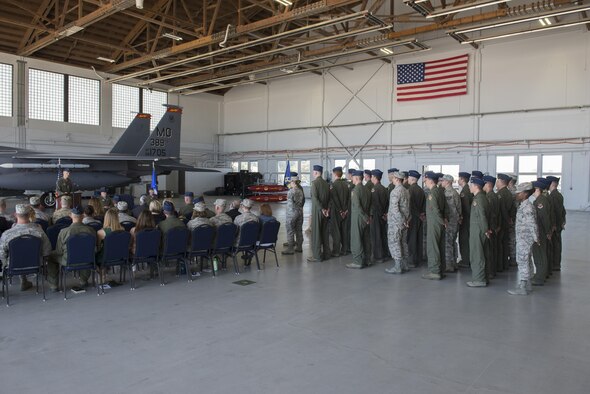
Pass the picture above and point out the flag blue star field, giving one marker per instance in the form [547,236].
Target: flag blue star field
[433,79]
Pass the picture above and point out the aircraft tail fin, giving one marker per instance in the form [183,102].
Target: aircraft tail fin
[133,137]
[164,141]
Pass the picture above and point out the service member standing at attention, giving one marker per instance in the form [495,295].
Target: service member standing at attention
[435,227]
[512,231]
[454,215]
[398,221]
[23,226]
[527,235]
[378,226]
[466,200]
[417,216]
[368,183]
[347,221]
[492,258]
[187,209]
[506,203]
[295,202]
[390,177]
[320,211]
[545,231]
[360,241]
[339,201]
[479,232]
[559,212]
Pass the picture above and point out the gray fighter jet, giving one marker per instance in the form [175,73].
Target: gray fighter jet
[134,155]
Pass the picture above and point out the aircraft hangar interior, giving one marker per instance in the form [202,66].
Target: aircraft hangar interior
[295,196]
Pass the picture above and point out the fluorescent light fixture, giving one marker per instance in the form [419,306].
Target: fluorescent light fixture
[465,7]
[535,30]
[172,36]
[286,3]
[386,51]
[105,59]
[139,4]
[521,20]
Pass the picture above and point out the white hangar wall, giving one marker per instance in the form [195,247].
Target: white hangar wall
[528,95]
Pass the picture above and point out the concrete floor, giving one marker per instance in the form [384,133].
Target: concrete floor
[308,328]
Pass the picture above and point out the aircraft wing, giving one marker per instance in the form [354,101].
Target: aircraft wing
[182,167]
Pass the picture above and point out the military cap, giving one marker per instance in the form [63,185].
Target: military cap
[392,170]
[22,209]
[116,198]
[294,178]
[553,178]
[431,175]
[200,207]
[102,189]
[465,175]
[489,179]
[247,203]
[448,178]
[198,199]
[351,171]
[357,173]
[504,177]
[368,172]
[414,174]
[77,210]
[34,200]
[523,187]
[477,174]
[293,173]
[337,169]
[540,185]
[404,173]
[220,202]
[439,175]
[189,194]
[399,175]
[318,168]
[122,206]
[66,170]
[545,181]
[168,206]
[477,181]
[377,173]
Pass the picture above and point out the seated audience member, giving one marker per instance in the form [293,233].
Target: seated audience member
[156,211]
[171,220]
[145,221]
[96,205]
[123,215]
[111,223]
[23,226]
[266,214]
[64,211]
[234,209]
[89,215]
[3,212]
[35,202]
[220,216]
[247,215]
[201,198]
[143,206]
[187,210]
[60,255]
[199,217]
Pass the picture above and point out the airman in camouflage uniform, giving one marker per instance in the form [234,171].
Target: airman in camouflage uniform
[295,202]
[527,235]
[454,215]
[398,221]
[199,218]
[23,226]
[390,177]
[64,211]
[220,216]
[64,184]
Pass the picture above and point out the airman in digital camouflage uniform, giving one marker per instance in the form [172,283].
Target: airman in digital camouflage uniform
[295,202]
[454,215]
[398,221]
[527,234]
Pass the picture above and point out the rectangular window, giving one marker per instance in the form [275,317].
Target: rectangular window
[527,164]
[505,164]
[244,166]
[5,89]
[305,166]
[552,164]
[154,104]
[253,166]
[305,179]
[235,166]
[281,166]
[125,105]
[339,163]
[46,95]
[368,164]
[83,100]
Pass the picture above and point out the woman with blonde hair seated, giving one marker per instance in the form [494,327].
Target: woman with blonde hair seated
[156,211]
[111,223]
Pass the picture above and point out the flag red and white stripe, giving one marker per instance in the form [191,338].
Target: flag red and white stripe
[433,79]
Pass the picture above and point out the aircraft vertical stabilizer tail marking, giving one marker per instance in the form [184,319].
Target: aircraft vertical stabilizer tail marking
[164,141]
[133,137]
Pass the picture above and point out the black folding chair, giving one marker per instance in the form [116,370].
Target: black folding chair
[43,223]
[175,246]
[52,233]
[116,253]
[127,225]
[201,243]
[65,221]
[80,257]
[247,243]
[95,225]
[4,224]
[268,239]
[24,258]
[224,242]
[147,250]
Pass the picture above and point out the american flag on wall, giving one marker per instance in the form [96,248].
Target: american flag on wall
[433,79]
